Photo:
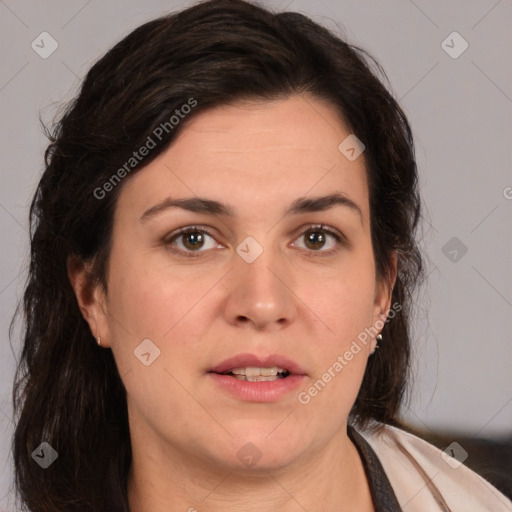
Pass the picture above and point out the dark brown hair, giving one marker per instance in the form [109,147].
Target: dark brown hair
[67,390]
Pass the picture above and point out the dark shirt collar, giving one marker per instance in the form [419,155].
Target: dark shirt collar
[383,496]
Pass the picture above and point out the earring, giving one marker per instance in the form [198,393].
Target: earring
[379,338]
[98,339]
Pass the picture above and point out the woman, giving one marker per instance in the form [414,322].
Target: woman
[222,263]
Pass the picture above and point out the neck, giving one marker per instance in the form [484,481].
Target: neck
[332,478]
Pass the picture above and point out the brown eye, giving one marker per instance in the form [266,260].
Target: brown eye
[315,239]
[319,239]
[191,240]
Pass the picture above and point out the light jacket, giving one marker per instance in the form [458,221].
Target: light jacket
[425,479]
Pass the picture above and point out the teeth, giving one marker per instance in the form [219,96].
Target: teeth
[252,371]
[257,378]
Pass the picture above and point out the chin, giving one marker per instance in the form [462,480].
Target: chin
[266,449]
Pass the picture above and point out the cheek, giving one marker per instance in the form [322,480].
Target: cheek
[345,304]
[347,313]
[168,304]
[159,304]
[345,299]
[341,355]
[152,296]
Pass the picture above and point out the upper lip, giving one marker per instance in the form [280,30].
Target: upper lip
[246,360]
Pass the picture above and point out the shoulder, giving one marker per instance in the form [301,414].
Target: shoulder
[426,479]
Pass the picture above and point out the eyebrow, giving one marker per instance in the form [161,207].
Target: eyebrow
[211,207]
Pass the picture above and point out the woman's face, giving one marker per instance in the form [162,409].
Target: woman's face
[254,278]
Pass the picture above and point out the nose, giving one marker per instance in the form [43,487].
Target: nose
[260,294]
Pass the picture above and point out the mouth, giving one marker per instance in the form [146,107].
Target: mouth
[257,374]
[255,368]
[252,378]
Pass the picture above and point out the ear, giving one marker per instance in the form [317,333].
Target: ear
[383,293]
[91,298]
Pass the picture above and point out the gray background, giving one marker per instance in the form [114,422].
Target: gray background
[460,111]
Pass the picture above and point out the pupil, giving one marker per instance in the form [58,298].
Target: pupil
[316,238]
[193,240]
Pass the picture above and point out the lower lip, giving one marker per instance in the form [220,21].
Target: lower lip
[266,391]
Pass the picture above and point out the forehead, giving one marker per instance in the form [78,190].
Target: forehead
[254,154]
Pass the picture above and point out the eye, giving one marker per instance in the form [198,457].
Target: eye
[319,239]
[191,239]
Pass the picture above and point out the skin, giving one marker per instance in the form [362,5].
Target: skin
[296,299]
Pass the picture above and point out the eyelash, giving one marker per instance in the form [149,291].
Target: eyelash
[340,239]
